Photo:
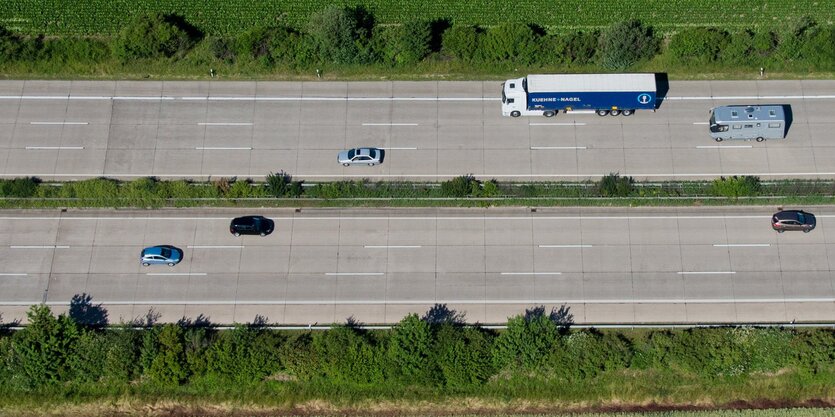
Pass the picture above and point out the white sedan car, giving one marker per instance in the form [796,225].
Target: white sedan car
[361,156]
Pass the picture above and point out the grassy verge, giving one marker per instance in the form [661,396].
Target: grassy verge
[280,191]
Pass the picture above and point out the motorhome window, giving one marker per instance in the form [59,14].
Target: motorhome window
[772,113]
[504,97]
[511,100]
[512,85]
[774,125]
[737,126]
[734,114]
[749,126]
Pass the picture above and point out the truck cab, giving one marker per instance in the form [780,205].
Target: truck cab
[514,99]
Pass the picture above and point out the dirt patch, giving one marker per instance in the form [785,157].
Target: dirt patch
[473,407]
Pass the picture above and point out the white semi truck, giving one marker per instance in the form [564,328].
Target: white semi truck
[605,94]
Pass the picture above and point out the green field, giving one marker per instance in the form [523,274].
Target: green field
[88,17]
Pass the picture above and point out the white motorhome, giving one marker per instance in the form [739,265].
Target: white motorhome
[747,122]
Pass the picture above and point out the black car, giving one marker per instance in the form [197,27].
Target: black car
[251,225]
[793,220]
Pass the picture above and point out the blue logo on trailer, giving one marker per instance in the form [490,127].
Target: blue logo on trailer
[644,98]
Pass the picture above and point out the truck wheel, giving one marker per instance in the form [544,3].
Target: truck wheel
[602,112]
[549,113]
[628,112]
[718,139]
[515,113]
[614,112]
[760,139]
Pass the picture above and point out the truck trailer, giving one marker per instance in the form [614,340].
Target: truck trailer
[747,122]
[547,94]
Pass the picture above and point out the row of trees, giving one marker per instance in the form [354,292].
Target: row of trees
[436,351]
[349,36]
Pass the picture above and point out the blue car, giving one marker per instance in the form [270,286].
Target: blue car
[162,254]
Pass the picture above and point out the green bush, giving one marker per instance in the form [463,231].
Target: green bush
[613,185]
[242,355]
[625,44]
[459,187]
[168,366]
[155,36]
[339,33]
[348,357]
[409,352]
[698,44]
[411,42]
[281,184]
[40,353]
[93,191]
[580,47]
[462,355]
[19,187]
[735,187]
[461,42]
[526,342]
[514,43]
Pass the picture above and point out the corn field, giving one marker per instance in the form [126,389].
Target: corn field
[226,17]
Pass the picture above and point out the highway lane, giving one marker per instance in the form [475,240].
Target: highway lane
[430,130]
[659,265]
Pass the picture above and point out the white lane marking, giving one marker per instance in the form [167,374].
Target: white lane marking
[556,124]
[564,246]
[531,273]
[58,123]
[226,124]
[220,148]
[352,274]
[446,301]
[39,247]
[390,124]
[159,274]
[52,148]
[742,245]
[539,148]
[700,123]
[399,149]
[724,147]
[214,247]
[795,97]
[5,274]
[297,98]
[451,218]
[705,272]
[392,247]
[488,175]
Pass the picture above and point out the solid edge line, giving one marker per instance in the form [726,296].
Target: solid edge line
[392,247]
[336,274]
[742,245]
[442,301]
[531,273]
[214,247]
[183,274]
[706,272]
[12,275]
[39,247]
[565,246]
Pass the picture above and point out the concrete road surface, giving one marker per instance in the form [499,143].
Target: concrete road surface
[430,131]
[670,265]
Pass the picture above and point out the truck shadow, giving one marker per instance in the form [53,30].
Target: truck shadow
[662,85]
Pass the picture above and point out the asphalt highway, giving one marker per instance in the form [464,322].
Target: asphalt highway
[429,131]
[659,265]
